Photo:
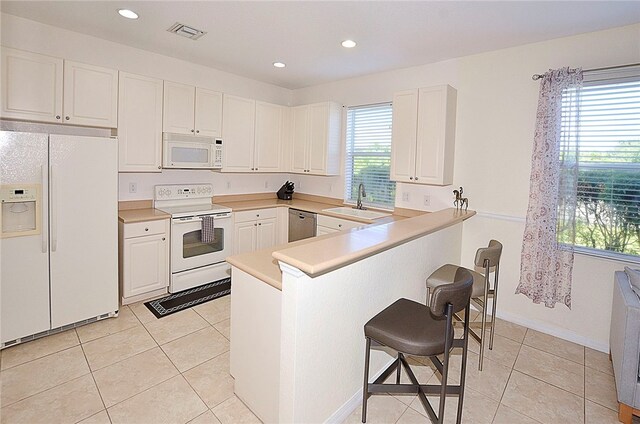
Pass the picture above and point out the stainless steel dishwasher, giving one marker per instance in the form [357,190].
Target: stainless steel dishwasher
[302,224]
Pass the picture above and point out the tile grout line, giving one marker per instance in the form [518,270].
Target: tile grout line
[508,379]
[92,376]
[584,384]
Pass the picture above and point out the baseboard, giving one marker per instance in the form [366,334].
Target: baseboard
[354,401]
[561,333]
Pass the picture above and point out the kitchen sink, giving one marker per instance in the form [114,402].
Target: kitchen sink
[357,213]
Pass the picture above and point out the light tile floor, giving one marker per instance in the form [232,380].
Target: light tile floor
[138,369]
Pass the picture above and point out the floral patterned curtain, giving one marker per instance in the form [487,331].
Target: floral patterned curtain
[547,245]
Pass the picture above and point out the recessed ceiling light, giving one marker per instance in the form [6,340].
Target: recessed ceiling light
[279,64]
[348,44]
[129,14]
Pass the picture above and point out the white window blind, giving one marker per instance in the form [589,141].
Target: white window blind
[368,158]
[608,155]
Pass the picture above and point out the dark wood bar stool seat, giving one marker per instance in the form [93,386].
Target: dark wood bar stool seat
[411,328]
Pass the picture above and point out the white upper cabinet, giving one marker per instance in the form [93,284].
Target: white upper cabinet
[90,95]
[299,138]
[31,86]
[269,137]
[253,135]
[208,113]
[42,88]
[315,144]
[423,135]
[191,110]
[238,123]
[178,114]
[139,123]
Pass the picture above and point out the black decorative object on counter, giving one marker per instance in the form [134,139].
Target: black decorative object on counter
[460,202]
[286,191]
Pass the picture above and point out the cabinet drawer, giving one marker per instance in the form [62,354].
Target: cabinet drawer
[256,214]
[337,223]
[145,228]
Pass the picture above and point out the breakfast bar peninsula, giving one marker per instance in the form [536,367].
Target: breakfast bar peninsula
[298,311]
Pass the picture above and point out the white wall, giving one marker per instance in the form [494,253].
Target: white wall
[497,102]
[33,36]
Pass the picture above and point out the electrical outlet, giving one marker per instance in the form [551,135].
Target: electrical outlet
[405,196]
[133,187]
[427,200]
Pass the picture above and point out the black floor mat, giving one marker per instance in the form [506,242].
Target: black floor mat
[187,298]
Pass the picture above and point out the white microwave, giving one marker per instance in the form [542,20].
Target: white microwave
[191,152]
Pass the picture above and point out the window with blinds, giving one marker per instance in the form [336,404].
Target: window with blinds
[607,136]
[368,158]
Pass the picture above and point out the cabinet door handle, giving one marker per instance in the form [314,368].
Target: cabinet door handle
[66,117]
[163,239]
[146,229]
[159,167]
[411,178]
[57,116]
[191,130]
[339,225]
[416,178]
[198,131]
[259,223]
[255,225]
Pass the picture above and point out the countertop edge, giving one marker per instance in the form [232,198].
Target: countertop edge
[432,222]
[130,216]
[265,278]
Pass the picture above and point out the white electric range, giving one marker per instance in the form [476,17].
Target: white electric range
[193,262]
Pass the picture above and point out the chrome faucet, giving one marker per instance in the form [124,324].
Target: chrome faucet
[361,194]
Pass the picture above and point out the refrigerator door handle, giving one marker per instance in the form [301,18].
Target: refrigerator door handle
[43,233]
[53,215]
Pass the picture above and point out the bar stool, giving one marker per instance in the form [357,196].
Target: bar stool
[411,328]
[487,258]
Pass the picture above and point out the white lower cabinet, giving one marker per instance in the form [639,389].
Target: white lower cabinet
[144,260]
[255,230]
[329,224]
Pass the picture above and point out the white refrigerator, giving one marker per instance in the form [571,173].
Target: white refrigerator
[59,233]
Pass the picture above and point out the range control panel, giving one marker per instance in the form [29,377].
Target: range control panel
[184,191]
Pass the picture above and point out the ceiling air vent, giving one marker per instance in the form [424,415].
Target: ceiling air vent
[186,31]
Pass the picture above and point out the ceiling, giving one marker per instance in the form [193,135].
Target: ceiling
[246,37]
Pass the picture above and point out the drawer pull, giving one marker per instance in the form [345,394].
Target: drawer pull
[146,229]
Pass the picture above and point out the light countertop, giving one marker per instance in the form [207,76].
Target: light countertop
[141,215]
[318,255]
[306,205]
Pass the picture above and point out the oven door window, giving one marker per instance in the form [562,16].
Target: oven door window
[192,244]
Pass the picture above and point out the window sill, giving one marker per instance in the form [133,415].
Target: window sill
[610,256]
